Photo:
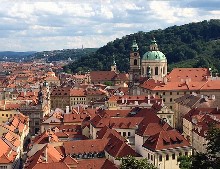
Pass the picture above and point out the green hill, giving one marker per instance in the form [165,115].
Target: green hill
[57,55]
[189,45]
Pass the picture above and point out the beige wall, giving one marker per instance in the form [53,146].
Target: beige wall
[187,130]
[199,143]
[4,115]
[153,156]
[153,64]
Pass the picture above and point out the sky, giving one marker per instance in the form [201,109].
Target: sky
[32,25]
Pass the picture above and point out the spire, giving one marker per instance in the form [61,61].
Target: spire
[153,45]
[114,63]
[114,66]
[134,46]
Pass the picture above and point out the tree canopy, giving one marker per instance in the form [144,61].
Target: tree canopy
[208,160]
[132,163]
[189,45]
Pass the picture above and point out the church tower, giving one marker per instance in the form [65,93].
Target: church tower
[135,64]
[114,66]
[154,63]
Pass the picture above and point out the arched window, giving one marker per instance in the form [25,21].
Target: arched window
[163,70]
[148,70]
[135,61]
[156,70]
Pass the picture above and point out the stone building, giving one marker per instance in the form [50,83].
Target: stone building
[153,63]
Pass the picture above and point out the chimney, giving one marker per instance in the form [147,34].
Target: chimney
[154,95]
[136,103]
[123,100]
[148,99]
[165,80]
[213,97]
[67,109]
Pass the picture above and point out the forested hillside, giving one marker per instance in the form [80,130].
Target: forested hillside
[190,45]
[56,55]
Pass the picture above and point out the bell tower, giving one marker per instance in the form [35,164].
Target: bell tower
[135,64]
[114,66]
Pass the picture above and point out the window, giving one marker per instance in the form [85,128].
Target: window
[186,153]
[148,156]
[120,133]
[164,100]
[151,157]
[173,156]
[6,115]
[135,61]
[156,70]
[171,107]
[170,93]
[129,134]
[163,93]
[180,154]
[148,70]
[171,99]
[160,158]
[167,157]
[178,93]
[124,134]
[156,93]
[2,114]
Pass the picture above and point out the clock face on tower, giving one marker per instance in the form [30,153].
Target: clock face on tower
[135,54]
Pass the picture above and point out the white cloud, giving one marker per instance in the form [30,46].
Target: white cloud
[48,25]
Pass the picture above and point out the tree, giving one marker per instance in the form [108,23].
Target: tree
[109,83]
[130,162]
[208,160]
[185,162]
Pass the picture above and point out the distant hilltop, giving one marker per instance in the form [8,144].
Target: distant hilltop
[53,55]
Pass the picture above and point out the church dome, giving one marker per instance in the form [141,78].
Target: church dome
[154,53]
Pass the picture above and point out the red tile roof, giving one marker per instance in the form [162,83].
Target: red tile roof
[169,139]
[195,74]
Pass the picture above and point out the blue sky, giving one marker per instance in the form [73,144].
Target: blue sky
[65,24]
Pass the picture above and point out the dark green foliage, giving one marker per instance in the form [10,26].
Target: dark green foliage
[132,163]
[209,160]
[108,83]
[185,162]
[179,43]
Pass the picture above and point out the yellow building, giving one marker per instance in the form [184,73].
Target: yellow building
[6,114]
[67,96]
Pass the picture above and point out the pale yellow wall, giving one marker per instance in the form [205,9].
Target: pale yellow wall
[199,143]
[4,115]
[85,131]
[187,129]
[77,100]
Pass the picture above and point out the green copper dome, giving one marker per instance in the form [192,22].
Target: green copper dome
[154,55]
